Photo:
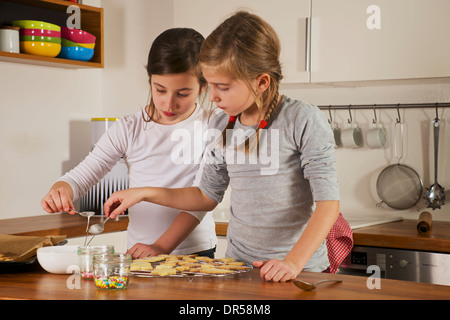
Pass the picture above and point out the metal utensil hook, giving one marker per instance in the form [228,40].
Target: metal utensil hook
[399,119]
[375,120]
[350,113]
[437,115]
[329,112]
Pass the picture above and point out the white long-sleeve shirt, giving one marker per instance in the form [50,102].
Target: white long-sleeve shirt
[156,155]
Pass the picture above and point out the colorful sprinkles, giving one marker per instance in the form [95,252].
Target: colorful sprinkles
[87,275]
[112,282]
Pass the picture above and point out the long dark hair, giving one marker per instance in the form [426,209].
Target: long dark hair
[175,50]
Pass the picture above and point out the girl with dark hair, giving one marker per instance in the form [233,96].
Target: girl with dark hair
[162,145]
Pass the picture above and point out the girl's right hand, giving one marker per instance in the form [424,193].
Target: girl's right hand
[140,250]
[59,198]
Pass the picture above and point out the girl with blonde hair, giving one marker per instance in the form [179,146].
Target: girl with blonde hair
[284,199]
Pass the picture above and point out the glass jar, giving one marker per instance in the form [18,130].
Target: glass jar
[111,271]
[86,256]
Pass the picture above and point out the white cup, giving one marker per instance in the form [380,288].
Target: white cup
[9,40]
[351,136]
[337,134]
[376,136]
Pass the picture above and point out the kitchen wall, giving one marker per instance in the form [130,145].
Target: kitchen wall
[45,128]
[358,169]
[46,112]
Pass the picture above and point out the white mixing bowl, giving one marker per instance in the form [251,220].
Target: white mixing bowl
[57,259]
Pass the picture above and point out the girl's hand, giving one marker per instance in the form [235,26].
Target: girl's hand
[277,270]
[140,250]
[120,201]
[59,198]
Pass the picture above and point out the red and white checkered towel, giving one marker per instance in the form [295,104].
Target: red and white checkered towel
[339,243]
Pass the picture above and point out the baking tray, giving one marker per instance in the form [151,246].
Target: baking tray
[22,266]
[182,274]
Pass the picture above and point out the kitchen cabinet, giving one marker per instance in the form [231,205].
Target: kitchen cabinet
[327,41]
[53,11]
[289,18]
[355,40]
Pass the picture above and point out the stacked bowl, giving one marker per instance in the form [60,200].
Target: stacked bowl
[39,37]
[76,44]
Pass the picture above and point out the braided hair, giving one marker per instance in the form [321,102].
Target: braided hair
[245,46]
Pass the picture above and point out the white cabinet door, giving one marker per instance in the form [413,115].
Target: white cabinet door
[287,17]
[356,40]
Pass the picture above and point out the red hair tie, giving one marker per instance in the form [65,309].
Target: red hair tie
[262,124]
[232,119]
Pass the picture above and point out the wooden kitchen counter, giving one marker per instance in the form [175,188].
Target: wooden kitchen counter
[38,284]
[58,224]
[403,235]
[399,234]
[34,283]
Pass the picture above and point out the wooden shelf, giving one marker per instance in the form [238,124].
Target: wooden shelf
[53,11]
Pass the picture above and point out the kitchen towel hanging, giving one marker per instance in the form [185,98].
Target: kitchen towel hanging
[339,243]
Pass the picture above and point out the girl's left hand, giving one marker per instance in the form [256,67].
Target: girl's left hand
[277,270]
[120,201]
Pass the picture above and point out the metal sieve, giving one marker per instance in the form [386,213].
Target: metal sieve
[398,185]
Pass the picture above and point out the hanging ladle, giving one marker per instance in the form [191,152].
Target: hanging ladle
[435,195]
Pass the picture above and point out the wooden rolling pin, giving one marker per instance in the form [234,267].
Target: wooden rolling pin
[424,223]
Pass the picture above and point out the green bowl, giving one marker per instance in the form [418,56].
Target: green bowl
[33,24]
[68,43]
[40,39]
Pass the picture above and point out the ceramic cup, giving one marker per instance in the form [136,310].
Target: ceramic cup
[336,133]
[376,136]
[351,136]
[9,39]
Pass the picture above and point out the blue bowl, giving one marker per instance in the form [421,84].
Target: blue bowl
[76,53]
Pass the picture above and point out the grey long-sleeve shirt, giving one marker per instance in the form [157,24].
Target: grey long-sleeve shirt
[272,195]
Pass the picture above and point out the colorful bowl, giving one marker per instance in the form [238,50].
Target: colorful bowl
[77,36]
[40,39]
[68,43]
[40,33]
[47,49]
[76,53]
[33,24]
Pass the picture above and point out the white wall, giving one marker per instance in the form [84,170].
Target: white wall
[358,169]
[46,112]
[45,128]
[130,28]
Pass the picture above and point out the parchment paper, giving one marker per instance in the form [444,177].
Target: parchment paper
[23,248]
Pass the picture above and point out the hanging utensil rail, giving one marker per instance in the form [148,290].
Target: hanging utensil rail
[387,106]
